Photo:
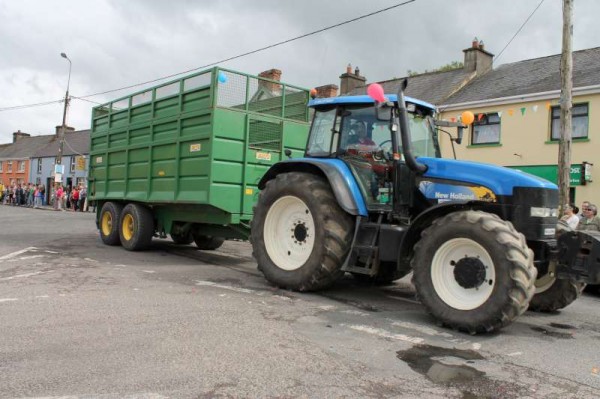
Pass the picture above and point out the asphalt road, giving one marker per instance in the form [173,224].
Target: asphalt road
[82,320]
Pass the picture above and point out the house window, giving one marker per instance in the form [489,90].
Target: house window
[1,167]
[39,170]
[579,118]
[486,130]
[9,167]
[72,166]
[21,166]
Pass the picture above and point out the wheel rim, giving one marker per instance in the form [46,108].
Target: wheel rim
[127,229]
[106,224]
[544,283]
[467,255]
[289,233]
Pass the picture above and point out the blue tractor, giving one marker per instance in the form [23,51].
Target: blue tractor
[374,198]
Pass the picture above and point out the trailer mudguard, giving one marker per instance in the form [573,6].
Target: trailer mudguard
[342,181]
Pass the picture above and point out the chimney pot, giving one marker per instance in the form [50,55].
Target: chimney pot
[475,43]
[481,44]
[477,59]
[349,68]
[357,71]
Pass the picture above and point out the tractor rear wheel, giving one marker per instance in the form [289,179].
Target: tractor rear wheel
[552,294]
[136,227]
[110,215]
[300,235]
[208,243]
[473,271]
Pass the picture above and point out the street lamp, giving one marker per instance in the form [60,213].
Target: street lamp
[63,127]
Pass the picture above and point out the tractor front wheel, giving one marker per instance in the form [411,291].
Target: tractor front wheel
[300,235]
[473,271]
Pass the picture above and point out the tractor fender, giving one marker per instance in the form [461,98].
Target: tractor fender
[340,178]
[426,218]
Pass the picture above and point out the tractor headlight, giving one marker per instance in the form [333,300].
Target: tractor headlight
[543,212]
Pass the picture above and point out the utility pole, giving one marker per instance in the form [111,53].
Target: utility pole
[566,103]
[64,118]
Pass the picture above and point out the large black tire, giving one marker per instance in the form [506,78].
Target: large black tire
[184,239]
[136,227]
[552,294]
[109,221]
[300,236]
[208,243]
[473,271]
[387,274]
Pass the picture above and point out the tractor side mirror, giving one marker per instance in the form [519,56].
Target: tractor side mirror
[383,111]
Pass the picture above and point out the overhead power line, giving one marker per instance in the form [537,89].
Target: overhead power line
[519,30]
[17,107]
[225,59]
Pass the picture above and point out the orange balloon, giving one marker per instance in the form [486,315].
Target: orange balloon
[467,117]
[313,93]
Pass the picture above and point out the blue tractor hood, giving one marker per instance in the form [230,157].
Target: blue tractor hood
[498,179]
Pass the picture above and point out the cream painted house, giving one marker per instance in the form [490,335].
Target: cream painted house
[516,112]
[516,108]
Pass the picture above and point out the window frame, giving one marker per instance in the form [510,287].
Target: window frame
[20,166]
[73,164]
[39,166]
[485,122]
[587,115]
[1,166]
[9,166]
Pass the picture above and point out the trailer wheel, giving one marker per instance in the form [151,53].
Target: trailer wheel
[552,294]
[208,243]
[300,236]
[182,239]
[387,275]
[109,223]
[473,271]
[136,227]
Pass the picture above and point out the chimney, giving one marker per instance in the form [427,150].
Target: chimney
[349,81]
[327,91]
[18,135]
[477,59]
[271,74]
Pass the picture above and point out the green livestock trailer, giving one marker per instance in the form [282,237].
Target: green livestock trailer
[184,158]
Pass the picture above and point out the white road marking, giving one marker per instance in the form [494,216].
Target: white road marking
[149,271]
[90,260]
[21,276]
[225,287]
[51,252]
[356,312]
[515,354]
[8,299]
[42,296]
[422,329]
[387,334]
[17,253]
[25,258]
[476,346]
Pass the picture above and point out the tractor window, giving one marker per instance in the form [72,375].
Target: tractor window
[421,133]
[321,138]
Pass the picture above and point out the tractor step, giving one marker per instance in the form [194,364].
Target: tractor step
[364,255]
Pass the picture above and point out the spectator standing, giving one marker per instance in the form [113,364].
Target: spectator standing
[589,220]
[82,197]
[570,216]
[58,198]
[74,198]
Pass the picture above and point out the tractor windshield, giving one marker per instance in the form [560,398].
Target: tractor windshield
[341,128]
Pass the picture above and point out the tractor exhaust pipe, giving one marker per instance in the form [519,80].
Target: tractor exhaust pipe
[409,158]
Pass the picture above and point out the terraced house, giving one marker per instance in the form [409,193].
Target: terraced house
[517,112]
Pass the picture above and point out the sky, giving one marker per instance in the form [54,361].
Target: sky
[115,43]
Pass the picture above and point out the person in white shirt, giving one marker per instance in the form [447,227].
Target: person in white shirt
[570,216]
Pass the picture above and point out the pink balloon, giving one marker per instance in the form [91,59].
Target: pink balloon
[375,91]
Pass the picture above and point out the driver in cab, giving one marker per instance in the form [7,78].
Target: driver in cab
[360,137]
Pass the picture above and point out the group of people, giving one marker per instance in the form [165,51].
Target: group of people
[29,195]
[34,196]
[73,199]
[587,220]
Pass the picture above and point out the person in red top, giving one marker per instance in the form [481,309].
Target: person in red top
[75,198]
[361,135]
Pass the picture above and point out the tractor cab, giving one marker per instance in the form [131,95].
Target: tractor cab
[348,128]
